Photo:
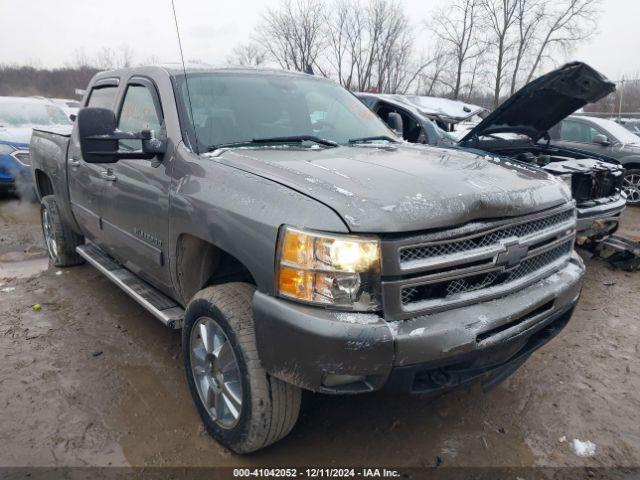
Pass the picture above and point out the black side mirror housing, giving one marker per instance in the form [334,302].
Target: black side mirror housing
[99,138]
[394,120]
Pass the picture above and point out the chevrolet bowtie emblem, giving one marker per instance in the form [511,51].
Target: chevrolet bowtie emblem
[513,254]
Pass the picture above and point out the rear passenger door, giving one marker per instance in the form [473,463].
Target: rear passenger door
[85,183]
[135,218]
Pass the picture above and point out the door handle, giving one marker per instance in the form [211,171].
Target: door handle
[108,175]
[74,162]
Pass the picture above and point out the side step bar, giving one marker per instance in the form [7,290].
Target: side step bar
[162,307]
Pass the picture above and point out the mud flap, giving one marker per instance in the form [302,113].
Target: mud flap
[619,252]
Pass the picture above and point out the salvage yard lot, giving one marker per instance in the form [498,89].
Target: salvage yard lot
[87,377]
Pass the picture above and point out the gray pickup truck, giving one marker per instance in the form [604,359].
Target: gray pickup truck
[299,245]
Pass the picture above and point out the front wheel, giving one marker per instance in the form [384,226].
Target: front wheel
[631,186]
[242,407]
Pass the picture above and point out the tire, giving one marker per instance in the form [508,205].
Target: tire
[631,186]
[60,240]
[269,407]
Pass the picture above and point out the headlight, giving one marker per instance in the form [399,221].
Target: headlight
[6,149]
[338,270]
[567,180]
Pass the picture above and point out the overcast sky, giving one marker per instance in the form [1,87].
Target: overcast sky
[47,32]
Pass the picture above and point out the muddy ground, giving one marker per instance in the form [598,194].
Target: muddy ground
[93,379]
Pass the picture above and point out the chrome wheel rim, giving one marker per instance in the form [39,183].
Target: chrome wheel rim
[216,372]
[49,238]
[631,186]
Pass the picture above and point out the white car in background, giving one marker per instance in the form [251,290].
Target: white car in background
[68,106]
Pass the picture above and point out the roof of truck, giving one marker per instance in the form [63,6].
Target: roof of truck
[176,69]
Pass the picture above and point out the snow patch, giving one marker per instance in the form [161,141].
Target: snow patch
[8,289]
[358,318]
[583,449]
[417,332]
[344,192]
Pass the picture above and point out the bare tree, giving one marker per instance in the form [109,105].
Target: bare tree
[109,58]
[338,23]
[250,54]
[529,14]
[292,33]
[565,23]
[456,27]
[431,77]
[501,16]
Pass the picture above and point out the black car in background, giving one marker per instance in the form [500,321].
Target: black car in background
[603,137]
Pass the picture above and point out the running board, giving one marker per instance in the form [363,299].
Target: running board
[162,307]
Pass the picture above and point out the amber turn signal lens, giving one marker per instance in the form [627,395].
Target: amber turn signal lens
[296,283]
[297,248]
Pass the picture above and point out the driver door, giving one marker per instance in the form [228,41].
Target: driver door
[136,198]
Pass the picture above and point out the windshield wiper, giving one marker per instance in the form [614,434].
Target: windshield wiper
[373,139]
[287,139]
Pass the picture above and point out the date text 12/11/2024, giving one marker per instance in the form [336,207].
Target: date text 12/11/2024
[315,473]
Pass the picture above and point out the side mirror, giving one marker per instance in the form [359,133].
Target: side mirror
[96,127]
[601,140]
[394,120]
[99,138]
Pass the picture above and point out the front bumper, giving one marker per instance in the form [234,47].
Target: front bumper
[330,352]
[13,174]
[600,217]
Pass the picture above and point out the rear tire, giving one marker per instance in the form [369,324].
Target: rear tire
[631,186]
[222,317]
[61,241]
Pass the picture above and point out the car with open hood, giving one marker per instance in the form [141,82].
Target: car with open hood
[602,136]
[298,244]
[519,129]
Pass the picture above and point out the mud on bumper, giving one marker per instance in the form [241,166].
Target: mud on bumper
[330,352]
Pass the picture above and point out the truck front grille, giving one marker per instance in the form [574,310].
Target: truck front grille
[458,286]
[477,261]
[492,238]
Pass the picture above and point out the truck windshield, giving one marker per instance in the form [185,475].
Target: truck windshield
[28,112]
[237,108]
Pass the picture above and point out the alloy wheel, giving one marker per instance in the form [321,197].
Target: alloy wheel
[216,372]
[49,238]
[631,186]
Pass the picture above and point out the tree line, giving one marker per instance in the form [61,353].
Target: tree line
[473,47]
[479,51]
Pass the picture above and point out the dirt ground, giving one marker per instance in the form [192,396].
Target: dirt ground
[92,379]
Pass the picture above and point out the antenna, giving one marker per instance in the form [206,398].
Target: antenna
[184,69]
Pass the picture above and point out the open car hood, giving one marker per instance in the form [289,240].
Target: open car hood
[544,102]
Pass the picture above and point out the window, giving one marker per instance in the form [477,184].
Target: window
[138,113]
[227,108]
[102,97]
[571,131]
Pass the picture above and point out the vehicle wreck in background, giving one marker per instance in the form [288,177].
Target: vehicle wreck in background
[18,117]
[299,246]
[519,129]
[603,137]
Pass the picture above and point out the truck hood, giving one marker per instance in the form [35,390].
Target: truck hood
[542,103]
[405,188]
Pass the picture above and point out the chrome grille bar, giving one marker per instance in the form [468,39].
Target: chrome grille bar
[441,272]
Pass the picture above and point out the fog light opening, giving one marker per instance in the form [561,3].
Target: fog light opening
[333,380]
